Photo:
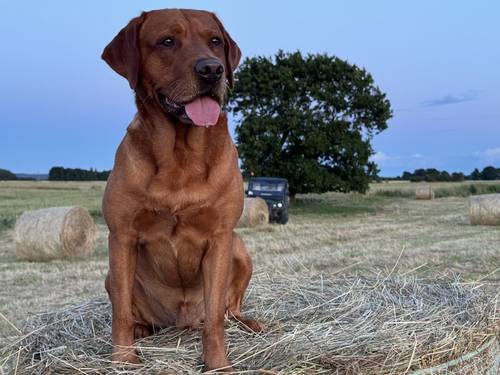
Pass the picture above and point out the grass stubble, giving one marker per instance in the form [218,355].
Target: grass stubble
[371,284]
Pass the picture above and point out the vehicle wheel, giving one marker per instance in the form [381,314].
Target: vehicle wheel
[283,219]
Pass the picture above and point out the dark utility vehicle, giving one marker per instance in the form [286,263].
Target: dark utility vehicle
[275,192]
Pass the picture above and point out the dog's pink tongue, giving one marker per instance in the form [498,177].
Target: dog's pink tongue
[203,111]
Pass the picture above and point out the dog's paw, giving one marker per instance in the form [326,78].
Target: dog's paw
[125,355]
[218,369]
[141,331]
[251,325]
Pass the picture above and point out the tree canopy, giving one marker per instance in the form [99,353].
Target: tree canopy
[77,174]
[490,173]
[309,119]
[7,175]
[432,175]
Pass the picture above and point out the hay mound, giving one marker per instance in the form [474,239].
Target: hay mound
[485,209]
[424,192]
[345,326]
[55,233]
[255,212]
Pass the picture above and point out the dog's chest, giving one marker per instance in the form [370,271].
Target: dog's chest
[176,184]
[173,245]
[159,222]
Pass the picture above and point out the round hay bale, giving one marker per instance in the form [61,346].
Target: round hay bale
[55,233]
[424,192]
[485,209]
[391,325]
[254,213]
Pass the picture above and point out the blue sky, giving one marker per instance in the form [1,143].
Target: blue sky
[438,62]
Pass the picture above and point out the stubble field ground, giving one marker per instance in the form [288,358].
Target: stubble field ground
[380,233]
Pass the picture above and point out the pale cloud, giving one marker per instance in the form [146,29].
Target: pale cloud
[488,156]
[380,157]
[403,162]
[451,99]
[493,153]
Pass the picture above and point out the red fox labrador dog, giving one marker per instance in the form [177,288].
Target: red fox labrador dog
[175,193]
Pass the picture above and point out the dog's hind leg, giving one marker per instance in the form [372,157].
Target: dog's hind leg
[240,278]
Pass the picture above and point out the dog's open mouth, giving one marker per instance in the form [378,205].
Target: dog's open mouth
[203,110]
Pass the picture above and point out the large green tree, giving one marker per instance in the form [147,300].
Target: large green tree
[309,119]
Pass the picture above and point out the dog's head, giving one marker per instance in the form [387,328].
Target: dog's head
[179,59]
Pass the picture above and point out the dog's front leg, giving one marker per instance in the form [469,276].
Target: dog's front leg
[122,263]
[215,268]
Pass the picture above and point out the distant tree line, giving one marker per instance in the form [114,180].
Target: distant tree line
[6,175]
[77,174]
[433,175]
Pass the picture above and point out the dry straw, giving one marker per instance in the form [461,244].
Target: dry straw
[424,192]
[485,209]
[55,233]
[254,213]
[314,326]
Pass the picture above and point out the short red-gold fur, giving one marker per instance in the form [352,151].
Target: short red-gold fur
[175,193]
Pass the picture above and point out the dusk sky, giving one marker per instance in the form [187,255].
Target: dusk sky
[438,62]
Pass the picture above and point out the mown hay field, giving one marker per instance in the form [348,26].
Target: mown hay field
[385,232]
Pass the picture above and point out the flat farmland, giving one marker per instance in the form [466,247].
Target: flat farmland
[383,232]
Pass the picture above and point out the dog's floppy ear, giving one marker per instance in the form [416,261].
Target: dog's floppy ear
[123,54]
[232,52]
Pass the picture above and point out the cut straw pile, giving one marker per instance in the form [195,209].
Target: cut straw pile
[314,325]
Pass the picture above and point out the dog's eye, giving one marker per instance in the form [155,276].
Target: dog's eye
[168,41]
[216,41]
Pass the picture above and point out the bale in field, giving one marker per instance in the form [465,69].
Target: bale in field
[315,325]
[485,209]
[55,233]
[424,192]
[254,213]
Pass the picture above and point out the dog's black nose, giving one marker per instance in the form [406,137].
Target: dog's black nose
[210,70]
